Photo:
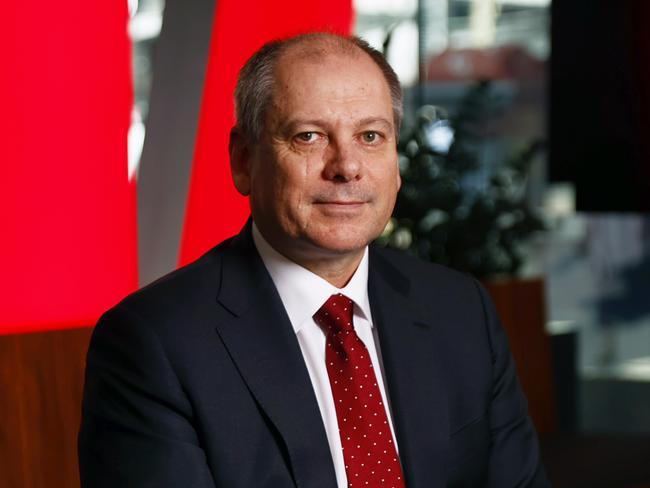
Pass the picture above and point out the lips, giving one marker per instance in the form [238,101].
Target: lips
[342,199]
[342,203]
[341,208]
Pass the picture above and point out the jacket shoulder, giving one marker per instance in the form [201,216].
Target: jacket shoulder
[420,272]
[181,290]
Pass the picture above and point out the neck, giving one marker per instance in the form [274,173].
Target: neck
[335,270]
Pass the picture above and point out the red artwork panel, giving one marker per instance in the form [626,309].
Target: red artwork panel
[67,206]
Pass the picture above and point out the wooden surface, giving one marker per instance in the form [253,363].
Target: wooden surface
[41,381]
[597,461]
[522,308]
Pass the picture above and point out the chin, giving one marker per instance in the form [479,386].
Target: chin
[335,243]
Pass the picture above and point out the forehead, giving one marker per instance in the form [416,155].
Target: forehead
[319,79]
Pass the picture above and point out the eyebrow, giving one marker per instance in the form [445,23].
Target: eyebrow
[375,120]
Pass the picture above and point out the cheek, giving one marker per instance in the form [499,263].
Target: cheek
[300,173]
[386,187]
[386,177]
[291,189]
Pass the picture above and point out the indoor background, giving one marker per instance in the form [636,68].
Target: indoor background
[524,156]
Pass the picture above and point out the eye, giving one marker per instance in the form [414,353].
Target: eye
[370,137]
[307,136]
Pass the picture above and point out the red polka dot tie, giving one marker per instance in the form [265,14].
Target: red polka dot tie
[368,448]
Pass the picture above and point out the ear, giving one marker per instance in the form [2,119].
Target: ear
[239,161]
[399,176]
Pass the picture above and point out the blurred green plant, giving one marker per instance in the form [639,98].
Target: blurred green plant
[439,216]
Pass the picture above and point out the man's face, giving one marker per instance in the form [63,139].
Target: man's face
[324,177]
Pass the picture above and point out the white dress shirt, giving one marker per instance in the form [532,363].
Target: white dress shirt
[303,293]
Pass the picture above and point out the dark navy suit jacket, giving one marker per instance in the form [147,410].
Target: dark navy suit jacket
[198,381]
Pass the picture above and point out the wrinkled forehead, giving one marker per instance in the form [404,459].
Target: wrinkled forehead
[316,48]
[297,63]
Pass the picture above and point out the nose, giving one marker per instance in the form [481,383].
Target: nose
[342,163]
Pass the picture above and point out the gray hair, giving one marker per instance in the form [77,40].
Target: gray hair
[256,81]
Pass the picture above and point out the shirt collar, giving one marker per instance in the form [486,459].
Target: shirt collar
[303,292]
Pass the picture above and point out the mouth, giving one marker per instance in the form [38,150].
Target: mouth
[340,208]
[343,203]
[340,205]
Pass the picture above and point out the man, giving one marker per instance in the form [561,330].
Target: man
[294,354]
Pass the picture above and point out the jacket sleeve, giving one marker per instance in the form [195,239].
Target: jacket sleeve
[514,459]
[136,428]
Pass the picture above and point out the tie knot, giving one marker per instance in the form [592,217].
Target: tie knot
[336,314]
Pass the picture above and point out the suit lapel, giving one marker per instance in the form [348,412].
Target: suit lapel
[258,335]
[415,386]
